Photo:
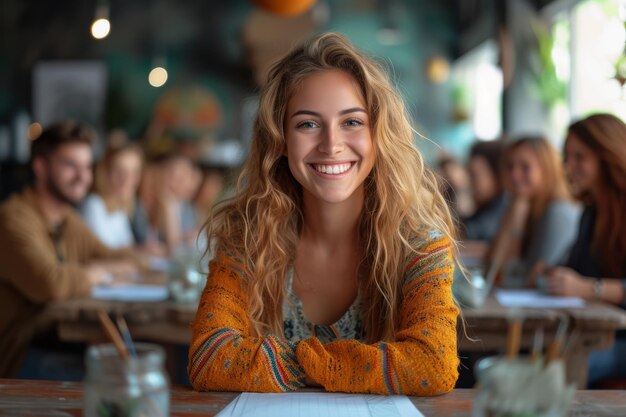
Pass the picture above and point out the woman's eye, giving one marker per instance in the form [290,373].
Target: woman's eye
[353,122]
[306,125]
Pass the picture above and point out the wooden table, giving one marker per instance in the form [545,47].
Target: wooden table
[64,399]
[590,328]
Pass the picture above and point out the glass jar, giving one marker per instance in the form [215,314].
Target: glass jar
[185,281]
[521,388]
[133,388]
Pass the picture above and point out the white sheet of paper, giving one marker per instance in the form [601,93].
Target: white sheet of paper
[159,264]
[130,292]
[318,404]
[536,299]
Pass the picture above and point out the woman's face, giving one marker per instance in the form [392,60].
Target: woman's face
[125,174]
[181,178]
[328,140]
[524,172]
[582,166]
[484,184]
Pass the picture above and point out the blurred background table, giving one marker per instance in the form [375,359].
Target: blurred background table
[167,322]
[57,398]
[161,321]
[590,328]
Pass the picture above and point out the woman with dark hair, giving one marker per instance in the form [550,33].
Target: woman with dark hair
[539,225]
[487,190]
[595,163]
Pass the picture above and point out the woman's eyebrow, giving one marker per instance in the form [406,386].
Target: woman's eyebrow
[342,112]
[307,112]
[353,110]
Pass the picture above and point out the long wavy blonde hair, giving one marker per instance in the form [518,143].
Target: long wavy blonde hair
[260,225]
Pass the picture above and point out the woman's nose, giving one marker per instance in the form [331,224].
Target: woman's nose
[331,141]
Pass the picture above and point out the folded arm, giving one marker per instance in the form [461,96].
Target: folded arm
[223,356]
[421,360]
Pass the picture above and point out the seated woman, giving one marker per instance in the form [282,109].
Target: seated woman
[113,211]
[487,190]
[595,163]
[334,259]
[539,225]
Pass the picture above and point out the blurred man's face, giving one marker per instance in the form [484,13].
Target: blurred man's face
[67,172]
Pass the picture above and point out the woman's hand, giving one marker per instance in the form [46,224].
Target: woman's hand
[567,282]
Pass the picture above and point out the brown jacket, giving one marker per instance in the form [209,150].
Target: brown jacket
[35,267]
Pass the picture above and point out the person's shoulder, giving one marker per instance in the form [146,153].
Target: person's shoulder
[227,262]
[430,253]
[425,239]
[19,207]
[92,202]
[567,208]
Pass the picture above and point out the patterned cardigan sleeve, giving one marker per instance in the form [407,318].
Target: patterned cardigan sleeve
[222,354]
[421,360]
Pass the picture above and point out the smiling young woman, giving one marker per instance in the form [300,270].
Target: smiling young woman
[539,224]
[595,163]
[334,260]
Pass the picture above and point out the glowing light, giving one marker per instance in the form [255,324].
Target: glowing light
[157,77]
[34,131]
[437,69]
[100,28]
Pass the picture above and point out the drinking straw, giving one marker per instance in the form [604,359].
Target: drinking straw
[113,334]
[115,337]
[537,345]
[554,348]
[514,335]
[128,340]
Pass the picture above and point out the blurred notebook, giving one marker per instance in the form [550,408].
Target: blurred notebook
[536,299]
[130,292]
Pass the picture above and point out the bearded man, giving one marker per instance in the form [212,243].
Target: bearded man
[46,251]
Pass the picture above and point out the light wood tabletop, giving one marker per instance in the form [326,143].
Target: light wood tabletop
[64,399]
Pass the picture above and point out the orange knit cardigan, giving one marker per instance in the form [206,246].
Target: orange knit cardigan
[421,360]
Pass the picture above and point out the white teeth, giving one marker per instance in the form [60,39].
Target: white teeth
[333,169]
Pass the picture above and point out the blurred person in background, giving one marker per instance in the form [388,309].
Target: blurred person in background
[209,192]
[113,211]
[539,225]
[595,163]
[48,253]
[487,188]
[455,186]
[168,189]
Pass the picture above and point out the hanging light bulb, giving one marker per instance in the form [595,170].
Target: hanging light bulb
[158,74]
[101,26]
[34,131]
[157,77]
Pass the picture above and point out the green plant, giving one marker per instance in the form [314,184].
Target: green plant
[548,87]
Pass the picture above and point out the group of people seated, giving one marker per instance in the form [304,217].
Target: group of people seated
[554,223]
[77,226]
[332,264]
[157,207]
